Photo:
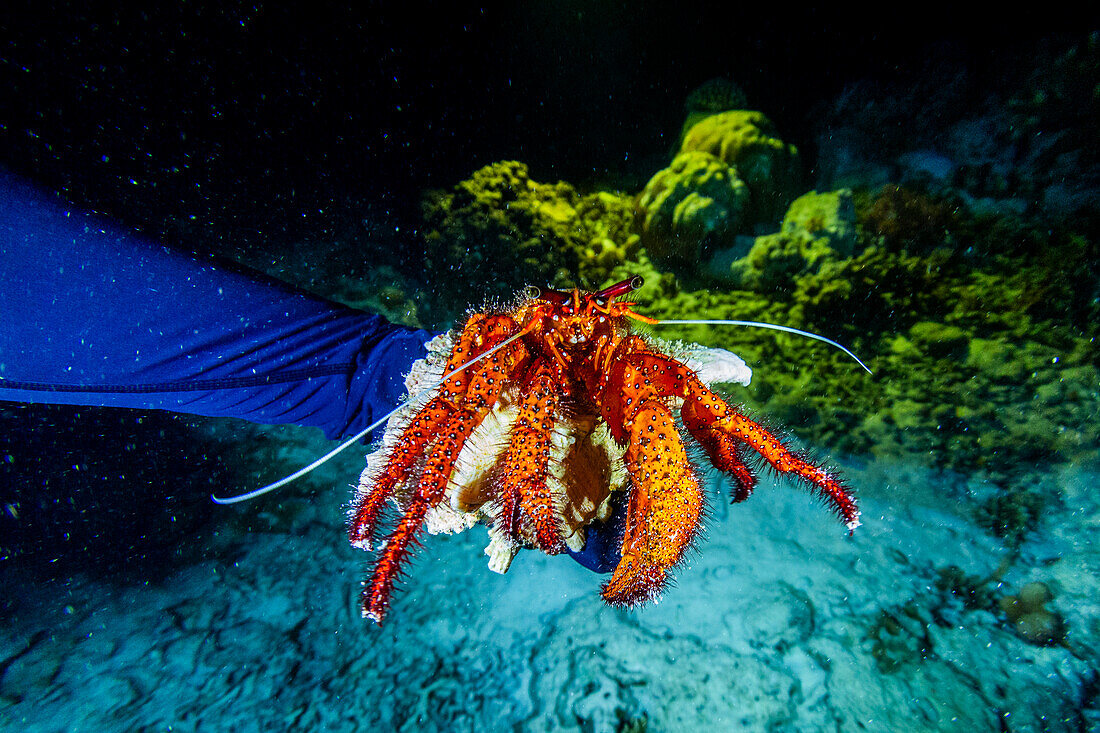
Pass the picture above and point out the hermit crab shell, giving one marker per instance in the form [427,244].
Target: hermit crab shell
[585,465]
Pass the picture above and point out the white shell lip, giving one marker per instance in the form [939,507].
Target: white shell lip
[718,365]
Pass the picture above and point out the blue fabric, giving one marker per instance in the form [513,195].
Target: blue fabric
[602,540]
[93,315]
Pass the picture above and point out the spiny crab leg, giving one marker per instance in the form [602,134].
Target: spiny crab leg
[414,438]
[664,507]
[429,491]
[439,430]
[417,435]
[718,427]
[722,430]
[422,429]
[666,502]
[524,464]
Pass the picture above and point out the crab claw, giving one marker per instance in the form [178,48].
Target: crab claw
[664,510]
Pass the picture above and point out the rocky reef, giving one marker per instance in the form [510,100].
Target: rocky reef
[730,176]
[983,354]
[748,141]
[690,209]
[979,322]
[503,230]
[817,228]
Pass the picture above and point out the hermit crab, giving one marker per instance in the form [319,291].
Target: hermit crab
[543,411]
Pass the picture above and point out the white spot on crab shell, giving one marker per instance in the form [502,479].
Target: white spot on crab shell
[428,370]
[719,365]
[422,374]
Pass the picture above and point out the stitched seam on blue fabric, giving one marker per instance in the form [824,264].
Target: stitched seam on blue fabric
[191,385]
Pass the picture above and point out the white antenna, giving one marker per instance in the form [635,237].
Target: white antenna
[772,326]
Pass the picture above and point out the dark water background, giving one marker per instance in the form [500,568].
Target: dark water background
[301,142]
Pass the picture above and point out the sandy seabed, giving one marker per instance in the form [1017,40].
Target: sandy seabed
[779,621]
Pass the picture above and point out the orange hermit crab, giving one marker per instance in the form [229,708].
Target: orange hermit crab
[540,413]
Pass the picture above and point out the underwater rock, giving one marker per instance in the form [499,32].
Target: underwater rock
[691,208]
[715,95]
[606,220]
[501,229]
[828,215]
[1011,514]
[900,637]
[775,260]
[1028,613]
[939,340]
[997,360]
[901,217]
[960,592]
[1027,145]
[927,164]
[818,227]
[711,97]
[380,289]
[747,140]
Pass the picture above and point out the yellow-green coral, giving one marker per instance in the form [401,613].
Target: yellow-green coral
[747,140]
[711,97]
[830,215]
[501,231]
[731,176]
[606,220]
[695,205]
[817,228]
[715,95]
[983,359]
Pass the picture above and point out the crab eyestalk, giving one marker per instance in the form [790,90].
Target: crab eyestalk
[621,288]
[559,297]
